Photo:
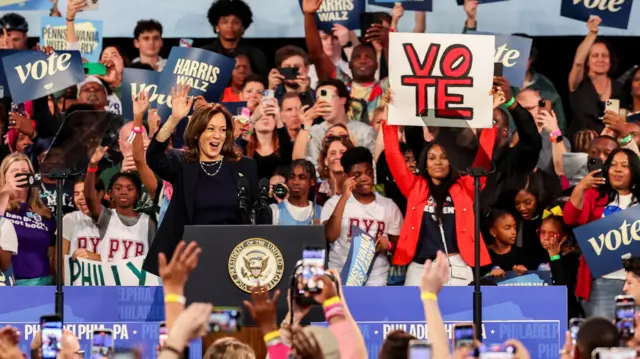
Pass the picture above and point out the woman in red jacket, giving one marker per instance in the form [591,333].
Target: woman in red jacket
[432,223]
[595,197]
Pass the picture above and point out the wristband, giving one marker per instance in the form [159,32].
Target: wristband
[172,349]
[175,298]
[92,169]
[137,129]
[71,20]
[428,296]
[555,258]
[626,140]
[331,301]
[510,102]
[271,336]
[556,133]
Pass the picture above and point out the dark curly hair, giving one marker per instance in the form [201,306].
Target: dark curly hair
[222,8]
[131,177]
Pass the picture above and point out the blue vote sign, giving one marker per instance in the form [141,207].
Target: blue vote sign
[135,81]
[410,5]
[605,242]
[4,86]
[527,279]
[614,13]
[513,53]
[343,12]
[480,2]
[537,316]
[33,74]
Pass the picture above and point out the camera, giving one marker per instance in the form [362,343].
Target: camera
[280,191]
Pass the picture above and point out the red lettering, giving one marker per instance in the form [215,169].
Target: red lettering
[455,65]
[367,224]
[127,244]
[139,249]
[94,243]
[381,228]
[114,245]
[82,242]
[353,222]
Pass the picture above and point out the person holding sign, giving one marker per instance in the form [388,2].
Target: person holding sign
[14,31]
[590,82]
[599,194]
[210,166]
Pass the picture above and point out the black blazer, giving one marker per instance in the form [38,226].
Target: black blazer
[183,176]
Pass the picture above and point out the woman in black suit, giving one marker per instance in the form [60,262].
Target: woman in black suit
[204,176]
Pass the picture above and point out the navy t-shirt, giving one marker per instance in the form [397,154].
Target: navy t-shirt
[430,240]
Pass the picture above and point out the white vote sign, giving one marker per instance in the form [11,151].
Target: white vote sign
[441,80]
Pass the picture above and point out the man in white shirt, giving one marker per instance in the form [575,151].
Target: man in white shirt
[359,206]
[147,38]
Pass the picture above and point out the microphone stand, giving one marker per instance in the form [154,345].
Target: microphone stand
[60,175]
[477,173]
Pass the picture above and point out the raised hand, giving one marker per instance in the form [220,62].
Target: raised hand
[175,274]
[140,103]
[153,119]
[593,24]
[397,12]
[191,324]
[98,154]
[471,9]
[305,346]
[73,6]
[21,123]
[263,308]
[549,121]
[591,181]
[502,84]
[348,186]
[181,102]
[311,6]
[435,275]
[341,33]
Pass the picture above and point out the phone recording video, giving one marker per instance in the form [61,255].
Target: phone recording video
[18,108]
[225,319]
[464,335]
[574,327]
[496,351]
[50,335]
[614,353]
[289,73]
[419,349]
[595,164]
[163,334]
[32,180]
[625,316]
[102,343]
[498,69]
[312,270]
[326,95]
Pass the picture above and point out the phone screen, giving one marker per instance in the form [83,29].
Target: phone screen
[18,108]
[101,344]
[495,352]
[615,353]
[224,319]
[312,268]
[463,335]
[574,327]
[163,335]
[51,335]
[625,317]
[420,351]
[498,69]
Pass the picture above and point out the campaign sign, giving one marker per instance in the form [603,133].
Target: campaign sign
[7,278]
[537,316]
[480,2]
[513,53]
[234,107]
[134,314]
[33,74]
[409,5]
[441,80]
[24,5]
[53,33]
[208,73]
[607,241]
[4,86]
[135,81]
[614,13]
[527,279]
[85,272]
[343,12]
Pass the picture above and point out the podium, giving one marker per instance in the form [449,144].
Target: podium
[234,258]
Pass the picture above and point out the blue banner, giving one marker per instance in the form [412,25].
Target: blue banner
[24,5]
[134,314]
[527,279]
[33,74]
[605,242]
[4,86]
[409,5]
[537,316]
[480,2]
[208,73]
[345,12]
[53,32]
[358,264]
[513,53]
[613,13]
[135,81]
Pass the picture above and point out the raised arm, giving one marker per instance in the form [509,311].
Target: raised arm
[435,275]
[395,160]
[90,193]
[72,9]
[140,106]
[582,53]
[324,66]
[576,211]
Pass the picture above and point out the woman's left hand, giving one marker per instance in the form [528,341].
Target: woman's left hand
[382,244]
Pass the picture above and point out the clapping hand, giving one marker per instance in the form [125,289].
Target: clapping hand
[436,274]
[175,274]
[181,102]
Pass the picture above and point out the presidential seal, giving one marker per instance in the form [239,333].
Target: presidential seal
[253,261]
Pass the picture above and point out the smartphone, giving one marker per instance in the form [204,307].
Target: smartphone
[102,343]
[306,100]
[95,68]
[464,335]
[225,319]
[544,105]
[91,5]
[18,108]
[163,334]
[574,327]
[498,69]
[326,95]
[186,42]
[613,353]
[313,259]
[612,104]
[289,73]
[268,95]
[419,349]
[50,335]
[625,316]
[595,164]
[367,19]
[495,351]
[33,179]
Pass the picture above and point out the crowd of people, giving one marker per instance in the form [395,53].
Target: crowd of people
[316,126]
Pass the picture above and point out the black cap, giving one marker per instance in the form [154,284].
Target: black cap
[14,22]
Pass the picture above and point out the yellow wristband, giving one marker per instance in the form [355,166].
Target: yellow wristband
[271,336]
[428,296]
[331,301]
[175,298]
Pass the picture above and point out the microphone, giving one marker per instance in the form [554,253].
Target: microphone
[243,190]
[263,187]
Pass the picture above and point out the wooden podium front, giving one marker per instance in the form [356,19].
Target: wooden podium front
[248,335]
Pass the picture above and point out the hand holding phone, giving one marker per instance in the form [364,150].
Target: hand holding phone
[310,279]
[625,316]
[50,335]
[102,343]
[225,319]
[464,335]
[30,180]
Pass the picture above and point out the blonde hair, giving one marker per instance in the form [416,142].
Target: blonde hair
[33,197]
[229,348]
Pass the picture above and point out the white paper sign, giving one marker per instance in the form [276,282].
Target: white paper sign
[441,80]
[84,272]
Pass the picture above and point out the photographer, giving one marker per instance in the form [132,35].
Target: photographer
[295,209]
